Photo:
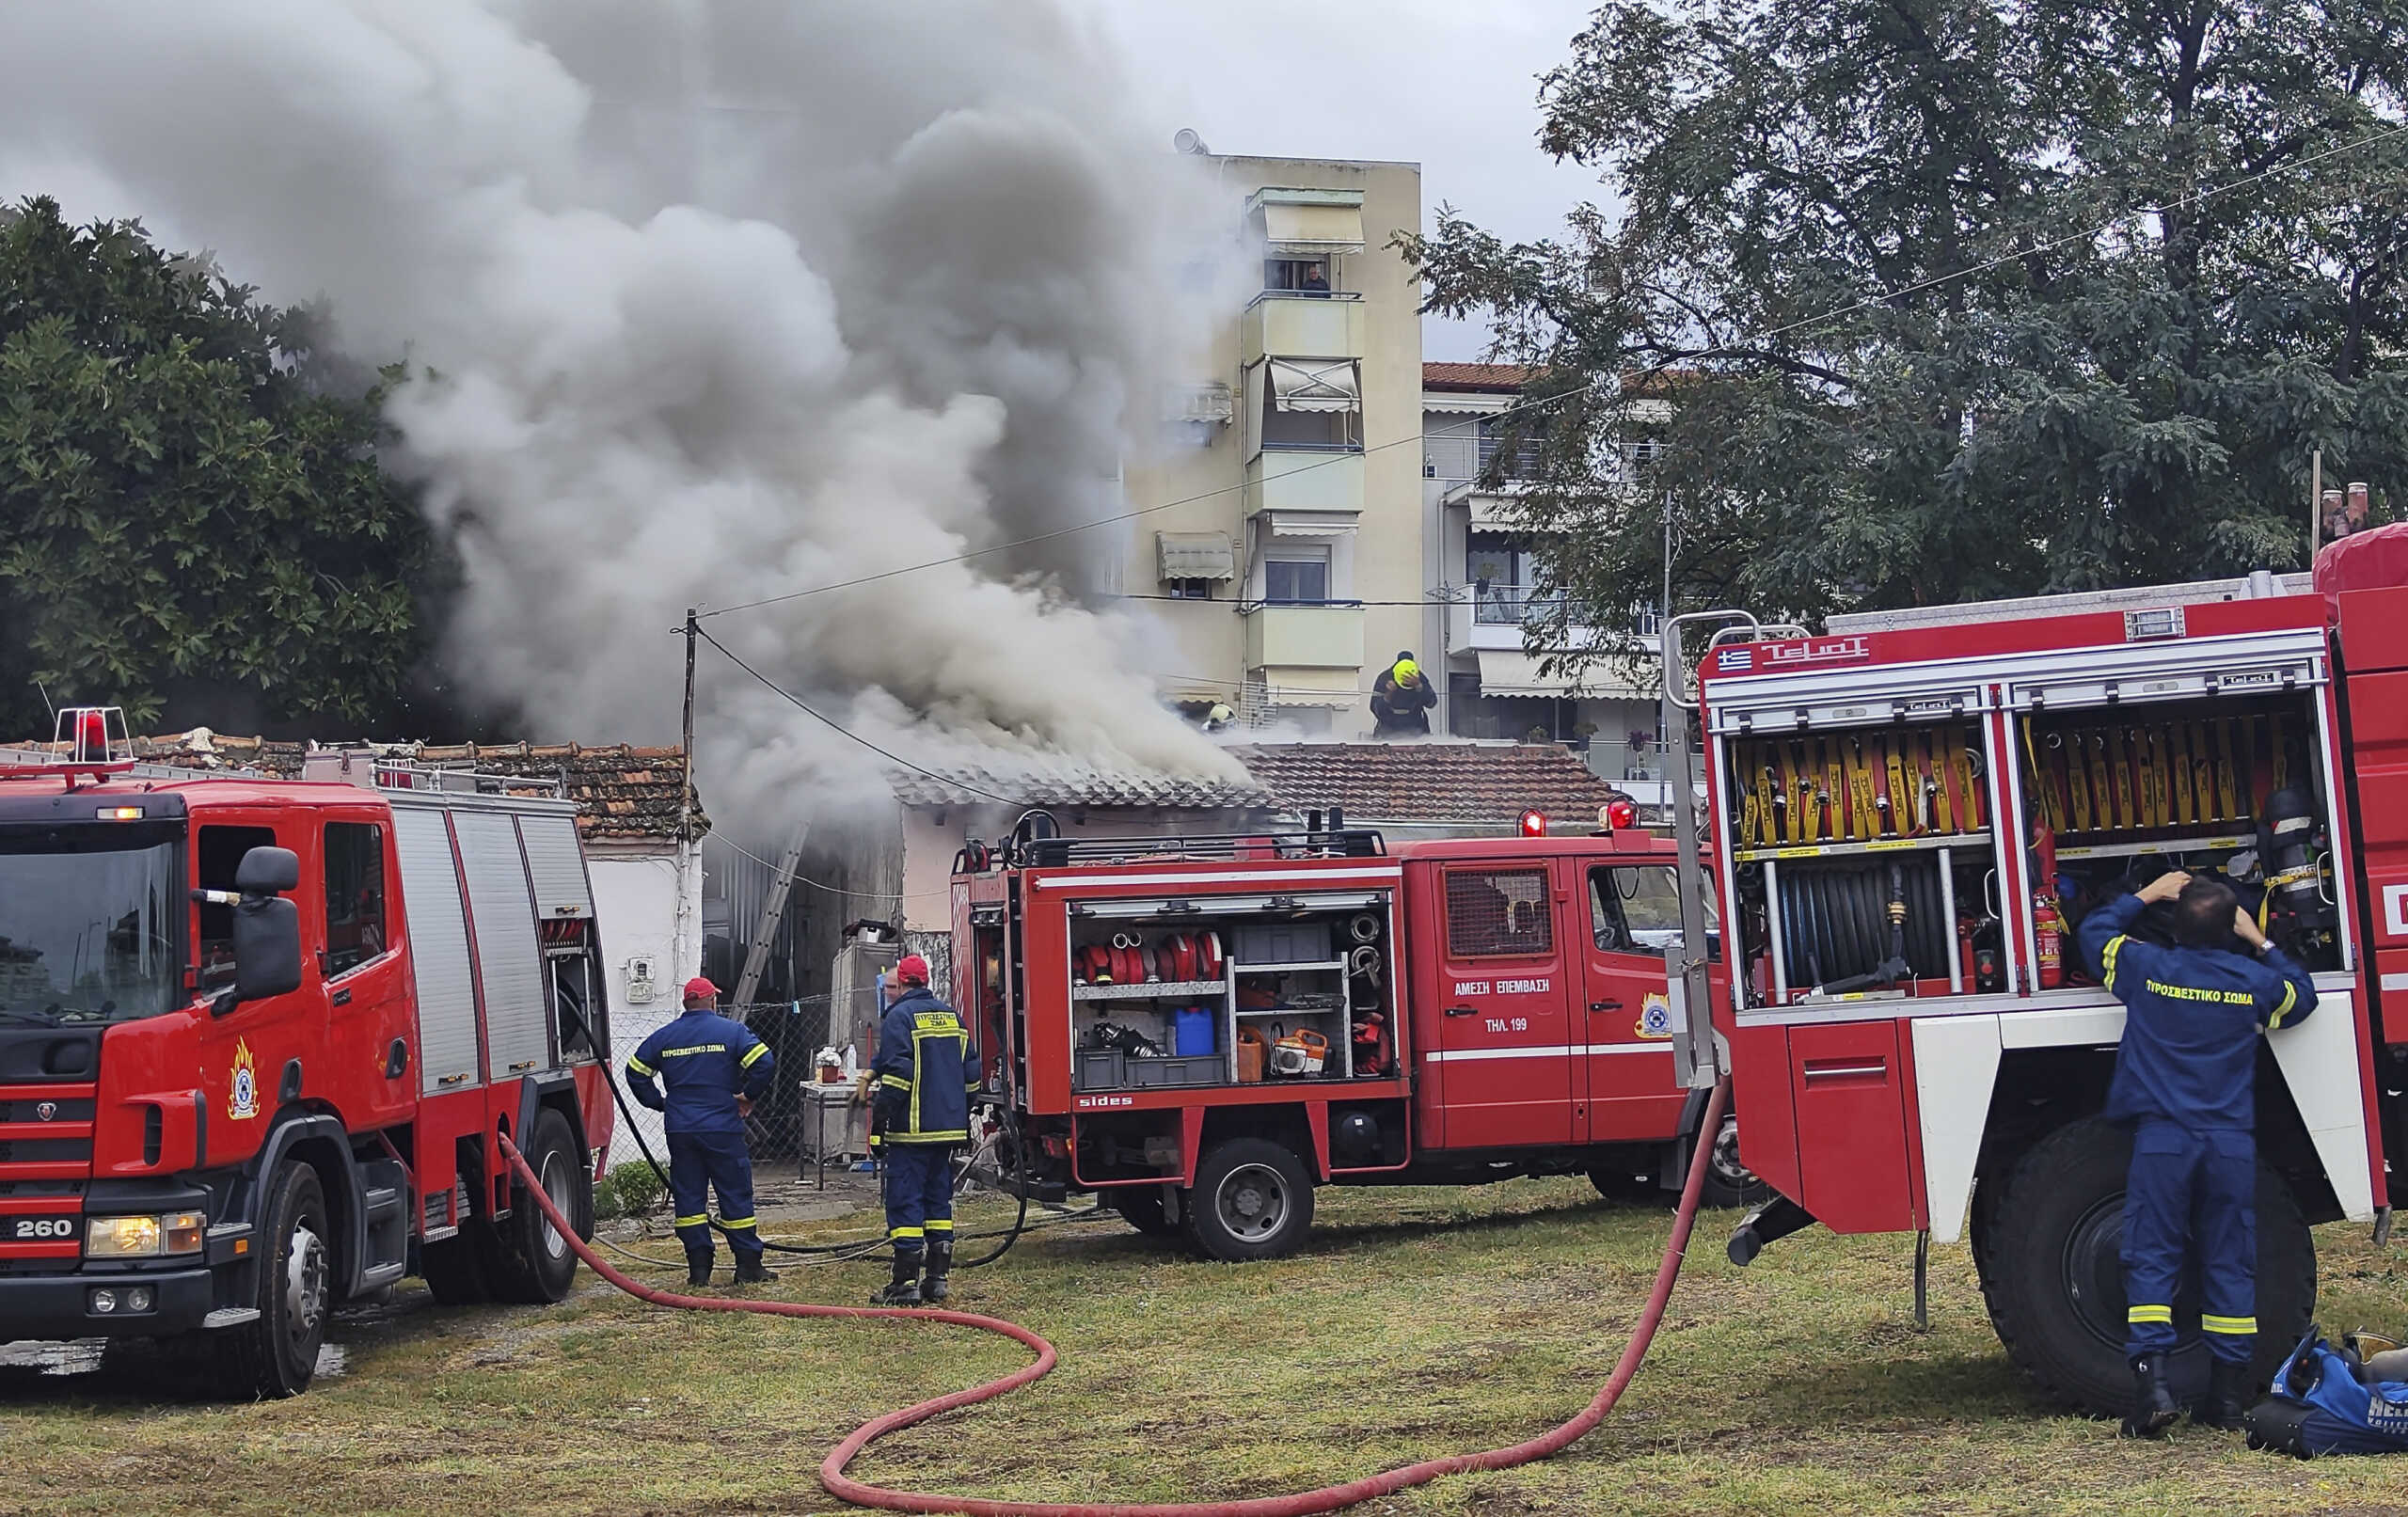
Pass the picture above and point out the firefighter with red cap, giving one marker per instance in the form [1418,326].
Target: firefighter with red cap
[923,1075]
[714,1070]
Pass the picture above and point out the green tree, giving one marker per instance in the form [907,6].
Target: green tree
[1853,289]
[191,522]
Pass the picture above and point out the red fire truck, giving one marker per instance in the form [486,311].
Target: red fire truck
[1202,1030]
[1911,813]
[259,1038]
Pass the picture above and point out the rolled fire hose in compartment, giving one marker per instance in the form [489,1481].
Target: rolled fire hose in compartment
[1845,924]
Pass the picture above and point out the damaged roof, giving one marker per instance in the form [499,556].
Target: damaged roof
[622,793]
[1429,783]
[1060,781]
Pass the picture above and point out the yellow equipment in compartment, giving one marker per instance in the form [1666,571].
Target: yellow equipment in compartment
[1820,789]
[2148,776]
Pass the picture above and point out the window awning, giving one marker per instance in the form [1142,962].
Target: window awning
[1306,222]
[1505,672]
[1195,555]
[1316,384]
[1287,685]
[1312,523]
[1204,405]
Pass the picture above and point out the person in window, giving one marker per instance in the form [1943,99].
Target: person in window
[1401,699]
[1315,280]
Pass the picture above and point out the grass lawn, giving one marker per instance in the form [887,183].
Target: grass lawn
[1419,1322]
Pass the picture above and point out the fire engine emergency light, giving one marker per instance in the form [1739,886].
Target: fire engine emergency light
[1534,822]
[1617,813]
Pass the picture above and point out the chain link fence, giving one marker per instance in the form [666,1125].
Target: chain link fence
[793,1126]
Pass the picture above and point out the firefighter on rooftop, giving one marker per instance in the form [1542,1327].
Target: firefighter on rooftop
[923,1073]
[2185,1083]
[715,1070]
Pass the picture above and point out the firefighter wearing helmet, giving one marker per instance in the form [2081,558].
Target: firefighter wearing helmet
[1401,699]
[714,1070]
[924,1074]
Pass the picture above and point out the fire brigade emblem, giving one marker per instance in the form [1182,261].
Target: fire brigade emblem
[46,1112]
[243,1102]
[1655,1018]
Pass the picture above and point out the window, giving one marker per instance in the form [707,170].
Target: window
[354,894]
[1636,908]
[217,853]
[1188,588]
[1295,575]
[1498,913]
[1297,276]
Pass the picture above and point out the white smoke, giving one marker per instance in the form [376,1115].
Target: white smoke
[711,301]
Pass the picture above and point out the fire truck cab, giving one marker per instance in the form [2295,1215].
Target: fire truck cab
[1909,816]
[1202,1030]
[259,1039]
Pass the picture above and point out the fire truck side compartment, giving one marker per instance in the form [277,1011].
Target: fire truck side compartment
[509,962]
[438,930]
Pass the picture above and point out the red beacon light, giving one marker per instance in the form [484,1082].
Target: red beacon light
[1534,822]
[1615,814]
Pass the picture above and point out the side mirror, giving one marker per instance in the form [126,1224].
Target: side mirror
[267,930]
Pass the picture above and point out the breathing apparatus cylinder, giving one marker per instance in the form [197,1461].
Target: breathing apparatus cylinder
[2287,842]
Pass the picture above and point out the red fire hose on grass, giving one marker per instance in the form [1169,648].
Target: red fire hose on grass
[1329,1498]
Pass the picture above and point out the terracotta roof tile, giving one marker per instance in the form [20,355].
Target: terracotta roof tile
[1061,782]
[622,793]
[1475,376]
[1462,782]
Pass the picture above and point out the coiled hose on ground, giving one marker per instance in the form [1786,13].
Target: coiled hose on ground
[1329,1498]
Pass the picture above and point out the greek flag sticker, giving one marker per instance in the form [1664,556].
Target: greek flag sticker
[1736,658]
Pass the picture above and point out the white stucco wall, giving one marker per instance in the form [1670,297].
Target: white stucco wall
[648,903]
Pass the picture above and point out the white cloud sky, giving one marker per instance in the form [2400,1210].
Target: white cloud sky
[1450,83]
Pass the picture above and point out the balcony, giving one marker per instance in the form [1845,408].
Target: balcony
[1489,508]
[1280,323]
[1492,615]
[1304,637]
[1305,479]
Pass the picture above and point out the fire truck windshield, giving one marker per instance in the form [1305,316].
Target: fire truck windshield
[89,924]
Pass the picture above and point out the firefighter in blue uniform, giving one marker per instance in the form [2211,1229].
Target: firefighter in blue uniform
[922,1075]
[715,1070]
[2185,1083]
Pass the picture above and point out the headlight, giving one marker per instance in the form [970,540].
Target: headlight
[134,1238]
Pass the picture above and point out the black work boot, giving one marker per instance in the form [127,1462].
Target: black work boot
[904,1290]
[2153,1407]
[750,1271]
[2229,1385]
[697,1269]
[940,1266]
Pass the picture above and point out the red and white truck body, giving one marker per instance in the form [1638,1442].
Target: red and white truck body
[1513,990]
[2242,726]
[188,1145]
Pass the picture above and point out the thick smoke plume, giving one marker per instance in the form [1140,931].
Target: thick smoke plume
[709,303]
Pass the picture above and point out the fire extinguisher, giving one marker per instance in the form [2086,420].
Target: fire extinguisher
[2048,930]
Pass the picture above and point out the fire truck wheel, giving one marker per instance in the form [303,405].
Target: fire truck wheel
[2048,1249]
[276,1354]
[1141,1207]
[1730,1182]
[526,1259]
[1253,1200]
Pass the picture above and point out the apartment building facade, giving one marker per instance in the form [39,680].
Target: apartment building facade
[1299,565]
[1494,686]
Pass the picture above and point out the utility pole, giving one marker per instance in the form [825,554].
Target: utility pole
[688,852]
[2315,502]
[685,799]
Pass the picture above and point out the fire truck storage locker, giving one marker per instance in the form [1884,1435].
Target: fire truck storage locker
[501,915]
[1223,990]
[2206,753]
[439,929]
[1862,853]
[564,919]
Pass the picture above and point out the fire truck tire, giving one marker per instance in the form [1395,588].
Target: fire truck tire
[276,1354]
[1253,1200]
[1729,1183]
[453,1272]
[2045,1246]
[526,1260]
[1141,1207]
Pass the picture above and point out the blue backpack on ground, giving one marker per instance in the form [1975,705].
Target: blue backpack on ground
[2319,1405]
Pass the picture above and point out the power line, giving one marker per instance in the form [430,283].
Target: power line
[2043,245]
[801,878]
[832,725]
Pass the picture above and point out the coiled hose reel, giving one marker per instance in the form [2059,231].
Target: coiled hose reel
[1837,926]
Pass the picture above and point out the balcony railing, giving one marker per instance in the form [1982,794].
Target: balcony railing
[1286,323]
[1501,605]
[1300,479]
